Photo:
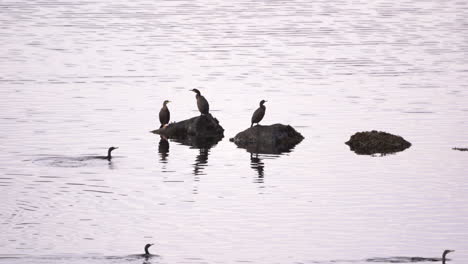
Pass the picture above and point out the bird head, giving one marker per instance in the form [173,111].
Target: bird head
[166,102]
[112,148]
[147,246]
[447,251]
[196,91]
[262,102]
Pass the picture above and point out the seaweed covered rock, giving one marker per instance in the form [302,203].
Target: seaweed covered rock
[271,139]
[373,142]
[199,127]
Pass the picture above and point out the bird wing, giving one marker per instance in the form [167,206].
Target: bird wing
[258,115]
[203,105]
[164,115]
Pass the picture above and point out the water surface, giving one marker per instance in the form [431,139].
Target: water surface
[80,76]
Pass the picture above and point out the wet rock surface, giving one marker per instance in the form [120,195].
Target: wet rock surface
[376,142]
[273,139]
[196,130]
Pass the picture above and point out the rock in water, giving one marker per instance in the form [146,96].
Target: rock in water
[271,139]
[460,149]
[199,127]
[373,142]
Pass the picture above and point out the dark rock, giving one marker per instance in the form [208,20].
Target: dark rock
[203,130]
[373,142]
[460,149]
[273,139]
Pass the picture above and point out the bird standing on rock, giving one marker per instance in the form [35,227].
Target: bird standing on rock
[202,103]
[259,113]
[164,114]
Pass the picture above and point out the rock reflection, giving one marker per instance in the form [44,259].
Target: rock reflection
[203,145]
[163,149]
[267,148]
[259,152]
[199,142]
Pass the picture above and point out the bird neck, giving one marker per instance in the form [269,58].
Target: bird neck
[146,251]
[109,157]
[444,256]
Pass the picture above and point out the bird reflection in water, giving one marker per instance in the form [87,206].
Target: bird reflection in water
[203,144]
[260,152]
[163,149]
[111,165]
[257,164]
[200,161]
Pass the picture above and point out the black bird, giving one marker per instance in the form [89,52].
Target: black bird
[147,246]
[108,157]
[202,103]
[411,259]
[259,113]
[445,254]
[164,114]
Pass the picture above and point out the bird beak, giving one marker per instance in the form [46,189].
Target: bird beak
[116,147]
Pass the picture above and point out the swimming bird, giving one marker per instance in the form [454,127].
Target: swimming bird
[202,103]
[411,259]
[108,157]
[164,114]
[147,246]
[445,254]
[259,113]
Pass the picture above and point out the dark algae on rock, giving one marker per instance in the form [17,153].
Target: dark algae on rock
[376,142]
[272,139]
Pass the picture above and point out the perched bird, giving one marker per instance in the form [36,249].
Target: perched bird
[164,114]
[258,114]
[147,246]
[202,103]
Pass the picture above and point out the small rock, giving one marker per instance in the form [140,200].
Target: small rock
[373,142]
[273,139]
[199,127]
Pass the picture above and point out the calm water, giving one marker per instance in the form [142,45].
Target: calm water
[80,76]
